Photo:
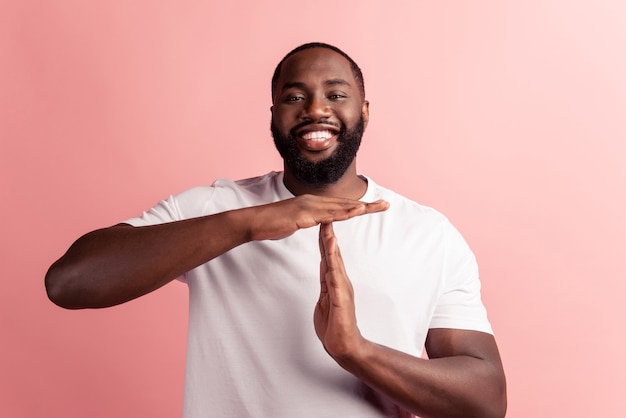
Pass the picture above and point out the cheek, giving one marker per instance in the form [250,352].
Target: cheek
[351,117]
[284,118]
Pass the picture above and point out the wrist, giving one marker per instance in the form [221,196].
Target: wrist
[357,354]
[238,221]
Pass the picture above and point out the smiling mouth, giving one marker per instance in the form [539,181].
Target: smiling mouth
[316,140]
[317,136]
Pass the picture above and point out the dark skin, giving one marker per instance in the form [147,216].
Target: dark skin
[464,375]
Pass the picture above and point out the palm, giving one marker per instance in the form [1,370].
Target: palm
[334,315]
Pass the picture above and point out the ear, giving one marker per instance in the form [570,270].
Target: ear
[365,112]
[272,109]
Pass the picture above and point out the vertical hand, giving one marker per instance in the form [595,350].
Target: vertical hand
[334,316]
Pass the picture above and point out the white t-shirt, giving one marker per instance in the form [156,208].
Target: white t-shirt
[252,349]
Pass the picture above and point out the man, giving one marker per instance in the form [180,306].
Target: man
[262,298]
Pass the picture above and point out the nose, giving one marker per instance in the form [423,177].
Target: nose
[316,108]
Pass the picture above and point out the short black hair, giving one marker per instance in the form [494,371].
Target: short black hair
[358,75]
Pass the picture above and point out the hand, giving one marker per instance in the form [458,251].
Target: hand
[281,219]
[334,317]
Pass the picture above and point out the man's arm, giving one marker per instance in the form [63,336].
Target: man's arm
[110,266]
[462,378]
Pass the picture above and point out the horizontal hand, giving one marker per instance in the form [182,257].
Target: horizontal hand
[281,219]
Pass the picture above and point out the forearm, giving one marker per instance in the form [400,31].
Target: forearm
[113,265]
[455,386]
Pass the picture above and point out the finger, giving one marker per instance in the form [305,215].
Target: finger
[329,241]
[320,241]
[328,245]
[323,285]
[337,280]
[323,264]
[350,209]
[341,211]
[326,236]
[377,206]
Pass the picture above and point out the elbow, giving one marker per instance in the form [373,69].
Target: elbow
[497,406]
[489,399]
[502,405]
[497,409]
[494,391]
[490,407]
[59,287]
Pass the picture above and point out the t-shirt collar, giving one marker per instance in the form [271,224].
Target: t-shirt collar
[283,192]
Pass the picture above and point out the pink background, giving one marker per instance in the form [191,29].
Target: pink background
[506,116]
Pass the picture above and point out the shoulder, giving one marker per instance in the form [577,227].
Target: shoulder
[226,194]
[224,187]
[416,223]
[250,191]
[404,207]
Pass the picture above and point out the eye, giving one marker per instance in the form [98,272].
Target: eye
[337,96]
[294,98]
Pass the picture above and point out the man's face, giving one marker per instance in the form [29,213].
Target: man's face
[318,116]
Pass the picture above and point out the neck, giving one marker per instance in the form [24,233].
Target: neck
[349,186]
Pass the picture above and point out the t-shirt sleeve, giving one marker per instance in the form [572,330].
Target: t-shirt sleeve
[460,305]
[188,204]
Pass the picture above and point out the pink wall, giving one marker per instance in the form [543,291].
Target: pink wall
[506,116]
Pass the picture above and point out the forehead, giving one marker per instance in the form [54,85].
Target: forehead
[315,65]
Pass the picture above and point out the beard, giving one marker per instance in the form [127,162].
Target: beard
[324,172]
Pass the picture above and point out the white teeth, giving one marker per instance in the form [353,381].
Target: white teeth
[317,135]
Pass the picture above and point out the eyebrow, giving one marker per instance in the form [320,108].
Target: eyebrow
[337,82]
[331,82]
